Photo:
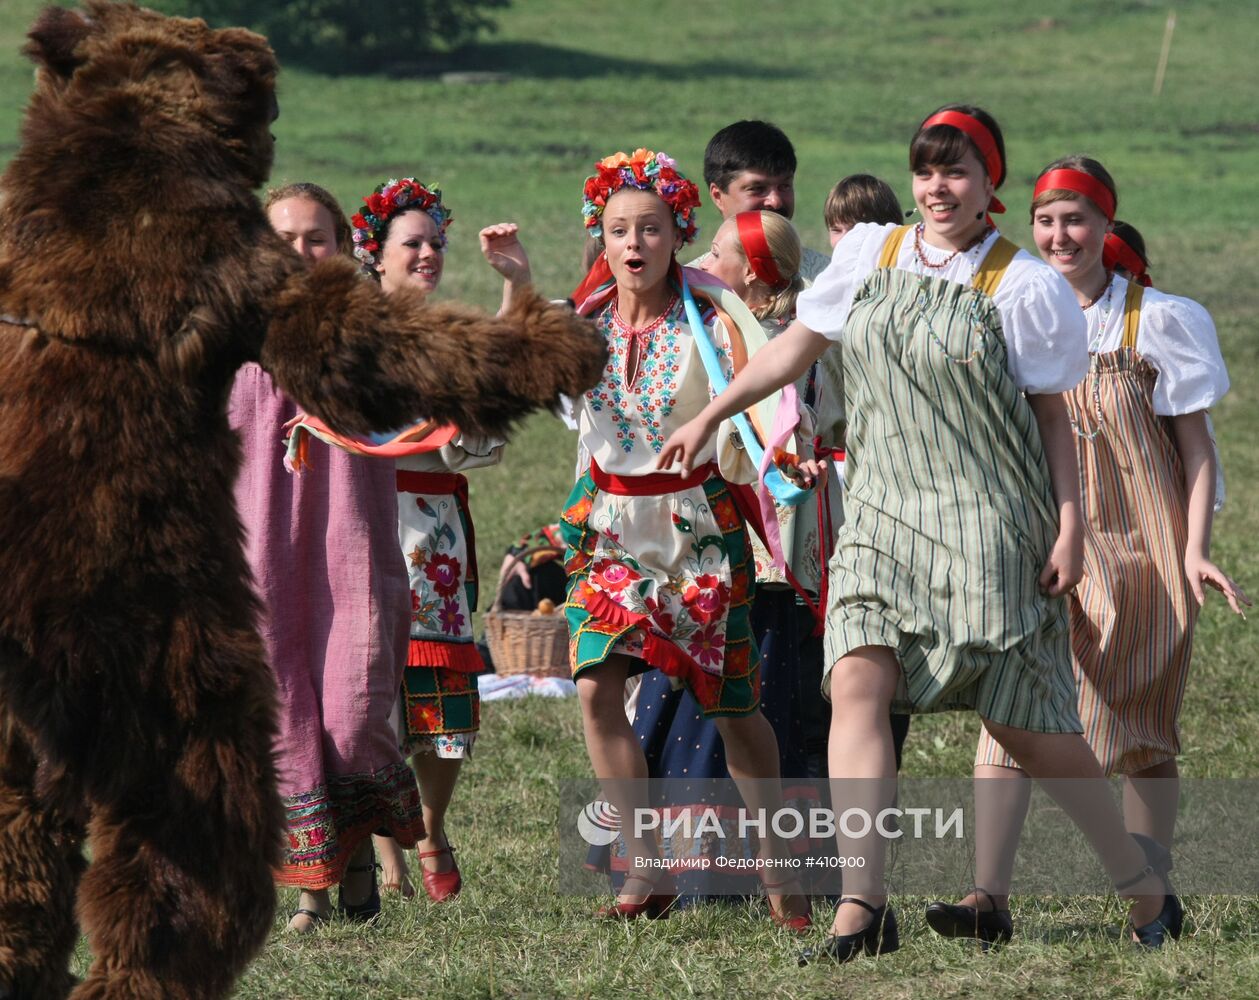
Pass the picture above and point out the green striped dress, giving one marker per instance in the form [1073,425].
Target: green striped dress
[949,509]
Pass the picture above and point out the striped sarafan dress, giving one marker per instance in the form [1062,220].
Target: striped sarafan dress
[949,509]
[1133,614]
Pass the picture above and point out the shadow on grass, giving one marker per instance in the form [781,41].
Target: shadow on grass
[554,62]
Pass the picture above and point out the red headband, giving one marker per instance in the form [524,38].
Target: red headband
[756,248]
[1078,182]
[1117,253]
[978,133]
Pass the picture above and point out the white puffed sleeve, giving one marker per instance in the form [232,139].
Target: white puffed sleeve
[824,306]
[1178,338]
[1046,333]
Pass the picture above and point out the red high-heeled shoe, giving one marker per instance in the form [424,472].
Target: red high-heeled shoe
[801,922]
[441,886]
[655,907]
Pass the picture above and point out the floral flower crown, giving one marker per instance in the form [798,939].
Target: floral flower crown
[646,171]
[387,201]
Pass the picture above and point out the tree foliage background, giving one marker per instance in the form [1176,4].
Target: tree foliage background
[349,35]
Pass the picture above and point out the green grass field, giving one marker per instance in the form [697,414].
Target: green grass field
[848,81]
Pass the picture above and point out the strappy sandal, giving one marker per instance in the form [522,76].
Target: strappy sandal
[316,920]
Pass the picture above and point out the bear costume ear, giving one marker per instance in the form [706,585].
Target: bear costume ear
[54,37]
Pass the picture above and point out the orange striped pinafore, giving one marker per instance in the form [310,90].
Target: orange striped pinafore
[1133,614]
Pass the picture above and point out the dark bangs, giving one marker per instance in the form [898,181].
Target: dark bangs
[940,146]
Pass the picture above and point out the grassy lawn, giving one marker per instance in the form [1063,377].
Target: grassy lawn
[848,81]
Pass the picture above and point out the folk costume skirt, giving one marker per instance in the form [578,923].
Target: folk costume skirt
[660,569]
[328,573]
[1133,615]
[949,511]
[440,702]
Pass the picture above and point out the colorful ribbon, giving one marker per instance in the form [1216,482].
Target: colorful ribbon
[426,436]
[774,414]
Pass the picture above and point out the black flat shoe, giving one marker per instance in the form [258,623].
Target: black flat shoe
[989,927]
[1170,921]
[879,937]
[366,911]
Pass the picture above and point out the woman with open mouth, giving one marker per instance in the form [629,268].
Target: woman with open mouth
[660,569]
[962,530]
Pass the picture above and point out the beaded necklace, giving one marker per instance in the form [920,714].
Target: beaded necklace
[920,250]
[976,321]
[639,339]
[1105,296]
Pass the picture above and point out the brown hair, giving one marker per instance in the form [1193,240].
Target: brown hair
[785,247]
[1084,164]
[313,192]
[941,145]
[862,198]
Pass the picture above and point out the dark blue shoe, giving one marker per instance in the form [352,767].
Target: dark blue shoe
[879,937]
[1170,921]
[368,910]
[989,927]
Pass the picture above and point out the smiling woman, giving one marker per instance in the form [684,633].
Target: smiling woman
[956,349]
[400,237]
[1148,472]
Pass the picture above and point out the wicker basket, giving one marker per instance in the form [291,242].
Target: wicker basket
[522,642]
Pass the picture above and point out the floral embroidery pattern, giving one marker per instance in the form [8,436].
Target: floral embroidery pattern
[444,572]
[638,413]
[707,646]
[437,558]
[707,599]
[612,576]
[451,617]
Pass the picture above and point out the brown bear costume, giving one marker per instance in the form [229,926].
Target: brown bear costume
[137,273]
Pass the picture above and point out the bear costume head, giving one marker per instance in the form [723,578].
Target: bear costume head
[137,274]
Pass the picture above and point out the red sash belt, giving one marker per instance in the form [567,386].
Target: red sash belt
[431,482]
[655,484]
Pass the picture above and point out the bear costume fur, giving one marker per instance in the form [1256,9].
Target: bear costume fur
[137,273]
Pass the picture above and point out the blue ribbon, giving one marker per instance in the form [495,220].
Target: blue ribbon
[783,490]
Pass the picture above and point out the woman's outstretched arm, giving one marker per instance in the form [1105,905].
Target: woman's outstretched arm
[784,359]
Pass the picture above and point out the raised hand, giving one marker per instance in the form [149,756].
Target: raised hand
[505,253]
